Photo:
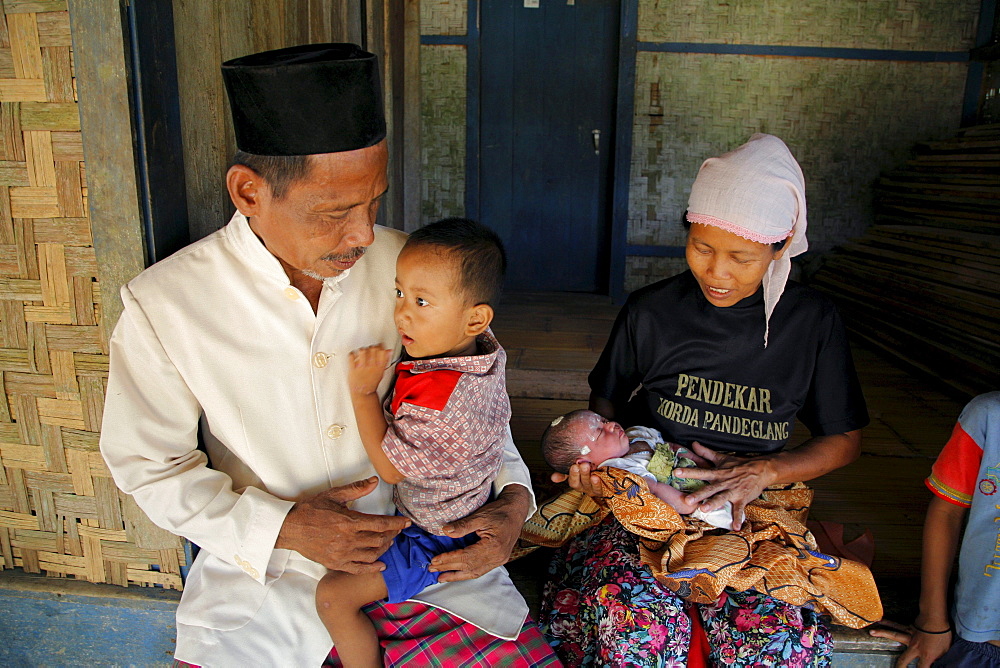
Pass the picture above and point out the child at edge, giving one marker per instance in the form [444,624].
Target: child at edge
[964,480]
[583,435]
[442,447]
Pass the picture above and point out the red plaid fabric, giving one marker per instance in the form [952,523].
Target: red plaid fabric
[415,634]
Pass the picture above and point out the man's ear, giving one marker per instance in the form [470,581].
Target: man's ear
[246,189]
[480,317]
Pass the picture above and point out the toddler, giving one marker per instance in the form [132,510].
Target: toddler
[442,442]
[584,435]
[963,517]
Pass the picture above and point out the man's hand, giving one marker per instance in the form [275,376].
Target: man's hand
[739,480]
[498,525]
[324,529]
[581,479]
[366,368]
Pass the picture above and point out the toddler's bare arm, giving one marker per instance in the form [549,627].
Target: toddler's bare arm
[363,376]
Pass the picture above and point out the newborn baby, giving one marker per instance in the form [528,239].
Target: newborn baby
[586,436]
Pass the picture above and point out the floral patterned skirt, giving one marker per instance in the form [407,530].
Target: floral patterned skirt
[602,607]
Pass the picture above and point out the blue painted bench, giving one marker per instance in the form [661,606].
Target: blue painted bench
[61,622]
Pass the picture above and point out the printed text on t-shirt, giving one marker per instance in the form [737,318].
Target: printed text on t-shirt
[724,395]
[730,395]
[995,562]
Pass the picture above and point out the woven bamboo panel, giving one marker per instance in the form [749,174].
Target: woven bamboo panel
[920,25]
[60,512]
[692,106]
[923,283]
[640,271]
[442,131]
[443,17]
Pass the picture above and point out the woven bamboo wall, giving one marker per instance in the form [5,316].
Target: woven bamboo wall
[443,17]
[442,131]
[846,121]
[442,111]
[208,32]
[60,512]
[920,25]
[640,271]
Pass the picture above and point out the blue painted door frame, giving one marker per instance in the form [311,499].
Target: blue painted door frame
[547,101]
[620,141]
[156,123]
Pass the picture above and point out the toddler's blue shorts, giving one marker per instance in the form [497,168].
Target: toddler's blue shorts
[407,559]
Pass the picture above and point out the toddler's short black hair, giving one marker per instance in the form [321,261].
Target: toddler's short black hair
[559,448]
[482,260]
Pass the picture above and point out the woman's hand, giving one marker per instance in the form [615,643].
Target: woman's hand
[581,479]
[674,498]
[925,648]
[738,480]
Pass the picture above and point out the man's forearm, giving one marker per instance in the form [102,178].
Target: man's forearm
[518,500]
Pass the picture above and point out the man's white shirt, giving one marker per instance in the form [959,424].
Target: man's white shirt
[216,340]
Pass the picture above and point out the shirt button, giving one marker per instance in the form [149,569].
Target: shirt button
[335,431]
[291,293]
[320,360]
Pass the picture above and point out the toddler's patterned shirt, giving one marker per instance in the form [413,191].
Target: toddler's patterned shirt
[447,420]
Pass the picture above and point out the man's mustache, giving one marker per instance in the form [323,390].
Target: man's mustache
[346,257]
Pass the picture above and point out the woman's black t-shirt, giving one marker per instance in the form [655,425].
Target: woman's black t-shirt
[698,372]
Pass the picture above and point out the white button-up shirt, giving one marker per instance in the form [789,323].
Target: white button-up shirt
[214,340]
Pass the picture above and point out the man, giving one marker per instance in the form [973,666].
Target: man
[241,340]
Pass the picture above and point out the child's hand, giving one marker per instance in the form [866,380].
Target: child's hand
[923,647]
[366,367]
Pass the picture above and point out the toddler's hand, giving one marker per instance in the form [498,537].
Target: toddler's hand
[365,369]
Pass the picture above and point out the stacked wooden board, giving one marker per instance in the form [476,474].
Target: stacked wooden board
[923,283]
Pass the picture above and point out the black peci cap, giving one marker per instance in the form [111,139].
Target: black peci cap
[314,98]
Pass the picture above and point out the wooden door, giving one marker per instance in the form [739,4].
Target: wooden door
[548,83]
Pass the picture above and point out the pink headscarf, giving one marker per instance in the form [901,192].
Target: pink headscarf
[756,191]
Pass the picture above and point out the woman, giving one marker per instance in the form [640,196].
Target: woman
[722,358]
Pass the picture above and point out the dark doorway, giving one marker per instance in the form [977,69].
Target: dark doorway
[547,111]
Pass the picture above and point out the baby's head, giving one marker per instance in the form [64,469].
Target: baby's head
[582,436]
[448,276]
